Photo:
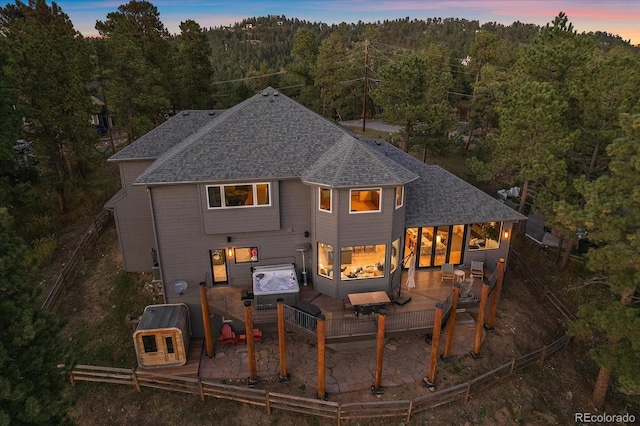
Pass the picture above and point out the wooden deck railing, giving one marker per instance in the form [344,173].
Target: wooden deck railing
[334,410]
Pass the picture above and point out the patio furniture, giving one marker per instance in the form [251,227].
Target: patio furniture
[459,275]
[447,272]
[466,287]
[227,335]
[477,269]
[364,310]
[365,303]
[257,336]
[347,306]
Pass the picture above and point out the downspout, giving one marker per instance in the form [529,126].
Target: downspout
[155,238]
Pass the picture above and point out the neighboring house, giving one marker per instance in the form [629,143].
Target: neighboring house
[208,195]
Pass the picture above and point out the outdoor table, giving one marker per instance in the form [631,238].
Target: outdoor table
[371,298]
[459,275]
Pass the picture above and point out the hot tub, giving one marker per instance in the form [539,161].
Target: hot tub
[274,282]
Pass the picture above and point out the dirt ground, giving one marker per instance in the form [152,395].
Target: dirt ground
[547,395]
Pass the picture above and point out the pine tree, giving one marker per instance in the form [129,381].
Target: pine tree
[612,214]
[194,70]
[48,68]
[31,385]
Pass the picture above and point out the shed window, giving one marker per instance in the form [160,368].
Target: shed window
[169,343]
[149,343]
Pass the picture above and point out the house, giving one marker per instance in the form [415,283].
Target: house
[209,195]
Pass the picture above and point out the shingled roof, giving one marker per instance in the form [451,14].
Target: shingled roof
[439,197]
[168,134]
[270,136]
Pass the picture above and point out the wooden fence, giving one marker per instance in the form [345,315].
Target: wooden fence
[70,269]
[317,407]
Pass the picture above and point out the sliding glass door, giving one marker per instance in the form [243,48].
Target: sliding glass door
[437,245]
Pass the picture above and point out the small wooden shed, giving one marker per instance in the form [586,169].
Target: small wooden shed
[163,335]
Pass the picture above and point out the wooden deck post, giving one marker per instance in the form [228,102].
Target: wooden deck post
[252,381]
[376,389]
[489,326]
[208,338]
[446,356]
[283,376]
[430,380]
[479,325]
[320,329]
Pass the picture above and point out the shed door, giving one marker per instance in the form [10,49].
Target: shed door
[169,347]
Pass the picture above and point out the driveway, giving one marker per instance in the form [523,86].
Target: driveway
[373,125]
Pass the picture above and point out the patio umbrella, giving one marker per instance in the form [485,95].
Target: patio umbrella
[411,282]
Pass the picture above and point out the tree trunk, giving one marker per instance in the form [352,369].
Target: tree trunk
[523,196]
[567,252]
[601,387]
[627,296]
[594,157]
[468,144]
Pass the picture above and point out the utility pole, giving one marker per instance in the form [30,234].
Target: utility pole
[366,84]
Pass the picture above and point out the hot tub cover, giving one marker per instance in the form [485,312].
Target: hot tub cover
[275,279]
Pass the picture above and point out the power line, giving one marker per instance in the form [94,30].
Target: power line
[249,78]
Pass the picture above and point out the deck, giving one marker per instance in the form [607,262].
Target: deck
[429,290]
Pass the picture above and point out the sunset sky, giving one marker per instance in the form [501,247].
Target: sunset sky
[621,17]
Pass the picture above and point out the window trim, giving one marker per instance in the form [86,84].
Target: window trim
[330,200]
[254,191]
[401,188]
[379,189]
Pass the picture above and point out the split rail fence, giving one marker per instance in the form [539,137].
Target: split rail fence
[70,269]
[335,410]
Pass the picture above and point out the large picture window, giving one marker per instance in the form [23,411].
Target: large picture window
[485,236]
[359,262]
[325,260]
[324,201]
[365,200]
[244,195]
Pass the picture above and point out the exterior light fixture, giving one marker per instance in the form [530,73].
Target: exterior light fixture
[230,252]
[505,234]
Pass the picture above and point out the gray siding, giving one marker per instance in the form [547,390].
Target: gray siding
[184,247]
[325,230]
[133,219]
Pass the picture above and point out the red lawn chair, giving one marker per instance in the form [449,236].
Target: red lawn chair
[227,335]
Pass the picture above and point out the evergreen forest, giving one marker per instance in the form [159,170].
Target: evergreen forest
[545,108]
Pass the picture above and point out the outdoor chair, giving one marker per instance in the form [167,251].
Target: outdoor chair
[347,306]
[447,272]
[365,310]
[477,269]
[227,335]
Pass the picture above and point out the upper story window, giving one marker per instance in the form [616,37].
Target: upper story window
[324,201]
[365,200]
[244,195]
[399,196]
